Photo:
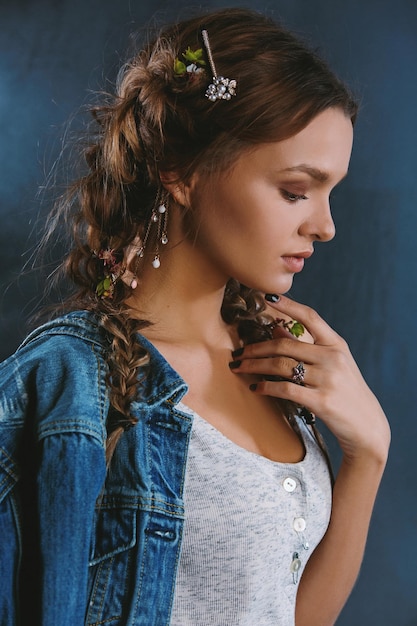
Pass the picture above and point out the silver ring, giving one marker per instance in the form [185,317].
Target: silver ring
[299,373]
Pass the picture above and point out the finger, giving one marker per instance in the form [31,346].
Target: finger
[302,395]
[279,368]
[290,348]
[316,326]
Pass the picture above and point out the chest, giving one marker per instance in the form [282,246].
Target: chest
[223,398]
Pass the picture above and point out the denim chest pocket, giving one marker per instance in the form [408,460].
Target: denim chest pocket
[111,563]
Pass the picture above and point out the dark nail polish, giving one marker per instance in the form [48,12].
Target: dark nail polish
[234,364]
[237,352]
[253,387]
[271,297]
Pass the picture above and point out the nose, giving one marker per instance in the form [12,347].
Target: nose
[319,226]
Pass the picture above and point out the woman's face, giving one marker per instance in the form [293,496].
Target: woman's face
[259,221]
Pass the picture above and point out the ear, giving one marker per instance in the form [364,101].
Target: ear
[179,190]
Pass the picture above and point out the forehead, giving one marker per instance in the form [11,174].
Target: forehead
[321,150]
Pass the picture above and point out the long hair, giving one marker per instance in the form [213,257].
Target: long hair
[159,121]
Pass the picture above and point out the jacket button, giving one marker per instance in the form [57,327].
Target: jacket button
[289,484]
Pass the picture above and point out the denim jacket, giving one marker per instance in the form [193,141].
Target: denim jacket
[81,545]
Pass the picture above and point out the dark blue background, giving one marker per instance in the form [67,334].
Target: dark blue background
[363,283]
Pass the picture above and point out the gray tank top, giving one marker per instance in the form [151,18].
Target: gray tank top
[251,525]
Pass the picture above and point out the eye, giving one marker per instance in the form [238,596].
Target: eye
[292,197]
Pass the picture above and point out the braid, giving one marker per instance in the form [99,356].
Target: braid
[98,207]
[125,358]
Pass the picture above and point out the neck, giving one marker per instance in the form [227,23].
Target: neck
[182,299]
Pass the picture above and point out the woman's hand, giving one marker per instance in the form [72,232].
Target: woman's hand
[333,387]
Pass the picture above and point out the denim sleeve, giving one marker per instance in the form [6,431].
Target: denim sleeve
[53,406]
[70,477]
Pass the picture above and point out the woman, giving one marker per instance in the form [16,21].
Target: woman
[160,463]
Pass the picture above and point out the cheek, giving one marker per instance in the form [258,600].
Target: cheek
[240,218]
[220,213]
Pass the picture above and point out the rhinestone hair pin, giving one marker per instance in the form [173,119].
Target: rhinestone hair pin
[221,88]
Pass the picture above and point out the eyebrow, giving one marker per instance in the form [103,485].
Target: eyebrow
[315,173]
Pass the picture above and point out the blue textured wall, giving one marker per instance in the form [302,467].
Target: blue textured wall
[364,282]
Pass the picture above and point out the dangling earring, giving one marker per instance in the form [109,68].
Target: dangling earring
[159,217]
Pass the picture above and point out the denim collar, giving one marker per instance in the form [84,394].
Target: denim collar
[161,382]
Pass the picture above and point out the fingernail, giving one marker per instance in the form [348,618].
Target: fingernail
[271,297]
[253,387]
[237,352]
[234,364]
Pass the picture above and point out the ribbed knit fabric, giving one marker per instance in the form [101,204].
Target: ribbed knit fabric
[251,525]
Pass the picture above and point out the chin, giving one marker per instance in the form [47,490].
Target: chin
[280,286]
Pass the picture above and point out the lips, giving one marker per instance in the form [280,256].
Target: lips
[295,262]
